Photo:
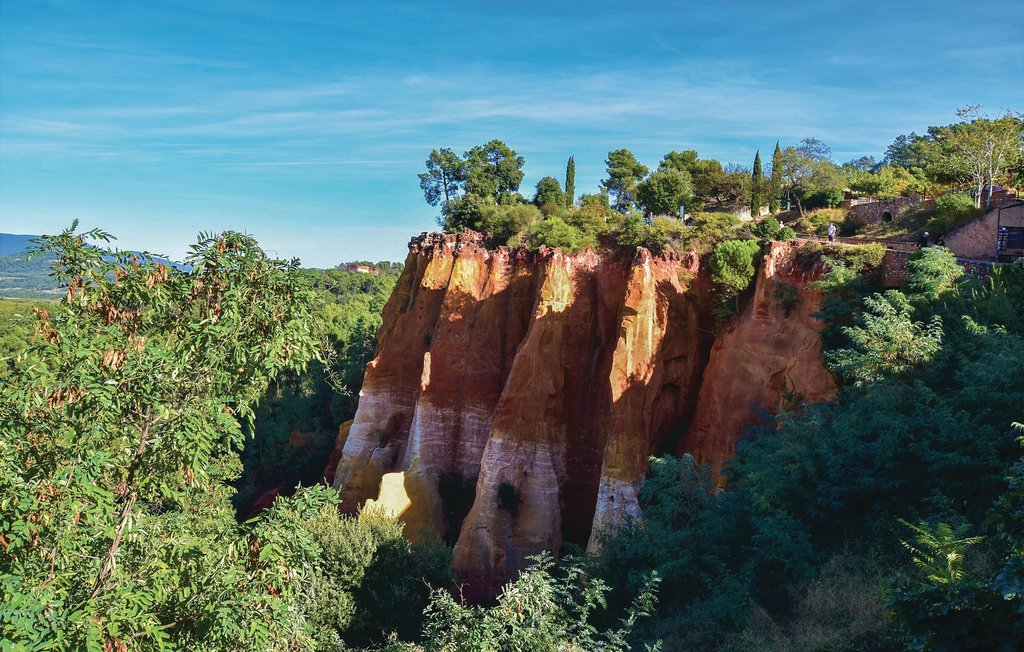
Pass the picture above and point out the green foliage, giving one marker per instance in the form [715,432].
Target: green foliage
[554,232]
[887,342]
[506,225]
[887,182]
[808,175]
[951,211]
[315,403]
[733,264]
[570,182]
[662,192]
[364,573]
[444,177]
[933,272]
[493,171]
[942,604]
[824,198]
[770,229]
[547,609]
[119,443]
[549,193]
[634,233]
[775,184]
[464,212]
[787,295]
[752,566]
[757,186]
[624,172]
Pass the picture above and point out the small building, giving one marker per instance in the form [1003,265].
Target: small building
[996,235]
[362,269]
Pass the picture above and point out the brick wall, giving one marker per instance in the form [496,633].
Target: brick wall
[975,239]
[895,271]
[874,212]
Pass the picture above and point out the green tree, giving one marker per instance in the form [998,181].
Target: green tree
[570,182]
[888,341]
[756,186]
[717,187]
[493,170]
[680,161]
[554,232]
[985,147]
[733,265]
[549,192]
[624,172]
[806,170]
[444,177]
[547,609]
[663,191]
[119,443]
[775,187]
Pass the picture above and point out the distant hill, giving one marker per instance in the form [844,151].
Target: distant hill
[30,279]
[12,243]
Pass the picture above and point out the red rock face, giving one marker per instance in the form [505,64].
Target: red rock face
[764,359]
[515,398]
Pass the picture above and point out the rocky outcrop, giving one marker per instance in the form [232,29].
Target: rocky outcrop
[769,356]
[515,397]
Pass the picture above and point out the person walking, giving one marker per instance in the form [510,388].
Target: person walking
[831,232]
[922,242]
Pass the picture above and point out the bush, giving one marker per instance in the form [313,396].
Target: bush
[770,229]
[950,212]
[733,265]
[634,233]
[590,219]
[825,198]
[505,225]
[554,232]
[787,295]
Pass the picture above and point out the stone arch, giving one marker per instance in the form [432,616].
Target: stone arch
[887,216]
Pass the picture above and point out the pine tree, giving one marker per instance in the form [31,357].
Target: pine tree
[756,186]
[773,199]
[570,182]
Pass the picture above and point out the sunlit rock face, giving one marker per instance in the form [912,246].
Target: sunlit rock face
[515,397]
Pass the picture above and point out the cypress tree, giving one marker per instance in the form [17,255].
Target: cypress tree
[773,199]
[756,183]
[570,182]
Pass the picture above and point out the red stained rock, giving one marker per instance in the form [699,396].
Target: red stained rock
[519,395]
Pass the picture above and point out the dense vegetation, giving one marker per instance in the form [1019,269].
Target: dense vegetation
[297,421]
[143,414]
[888,519]
[480,189]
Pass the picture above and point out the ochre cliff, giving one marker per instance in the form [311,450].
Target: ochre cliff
[515,397]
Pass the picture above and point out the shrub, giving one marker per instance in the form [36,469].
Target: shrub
[950,212]
[505,225]
[770,229]
[634,233]
[464,213]
[554,232]
[825,198]
[590,219]
[732,264]
[732,269]
[786,294]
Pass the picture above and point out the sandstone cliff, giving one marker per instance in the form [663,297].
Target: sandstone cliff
[515,397]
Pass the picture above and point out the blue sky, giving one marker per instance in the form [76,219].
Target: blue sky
[306,122]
